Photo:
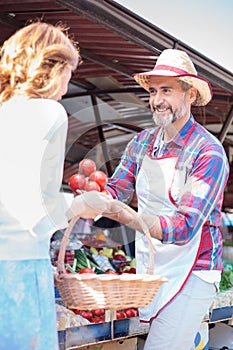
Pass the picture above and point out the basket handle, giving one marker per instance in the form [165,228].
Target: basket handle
[62,251]
[61,256]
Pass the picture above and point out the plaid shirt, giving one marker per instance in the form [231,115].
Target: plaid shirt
[201,157]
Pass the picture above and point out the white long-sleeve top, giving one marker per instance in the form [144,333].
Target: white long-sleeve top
[32,150]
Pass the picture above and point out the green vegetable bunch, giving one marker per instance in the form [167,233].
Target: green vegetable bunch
[226,280]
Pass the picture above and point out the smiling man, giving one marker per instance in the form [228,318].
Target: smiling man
[170,100]
[178,171]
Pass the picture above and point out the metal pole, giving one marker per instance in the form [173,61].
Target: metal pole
[101,135]
[226,126]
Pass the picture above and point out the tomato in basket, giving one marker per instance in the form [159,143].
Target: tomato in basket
[111,272]
[86,270]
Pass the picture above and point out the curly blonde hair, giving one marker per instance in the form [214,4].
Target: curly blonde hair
[33,60]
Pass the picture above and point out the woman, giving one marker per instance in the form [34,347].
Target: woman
[36,65]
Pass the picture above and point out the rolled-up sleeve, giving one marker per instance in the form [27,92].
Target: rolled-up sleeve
[201,198]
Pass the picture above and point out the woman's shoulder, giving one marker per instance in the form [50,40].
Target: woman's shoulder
[47,104]
[48,111]
[33,106]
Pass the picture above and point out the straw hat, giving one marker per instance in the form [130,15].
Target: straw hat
[176,63]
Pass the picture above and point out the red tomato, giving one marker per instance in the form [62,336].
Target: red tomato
[76,311]
[98,312]
[120,314]
[92,186]
[98,319]
[77,182]
[119,257]
[99,177]
[87,315]
[132,270]
[86,270]
[110,272]
[131,312]
[87,166]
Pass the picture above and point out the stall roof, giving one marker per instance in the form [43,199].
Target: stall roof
[115,43]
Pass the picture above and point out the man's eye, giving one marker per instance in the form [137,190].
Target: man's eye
[152,91]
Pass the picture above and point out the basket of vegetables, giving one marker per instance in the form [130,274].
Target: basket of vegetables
[108,291]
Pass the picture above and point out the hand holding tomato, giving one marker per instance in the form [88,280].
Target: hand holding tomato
[90,204]
[87,180]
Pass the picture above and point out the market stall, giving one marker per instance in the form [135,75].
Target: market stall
[98,292]
[119,331]
[110,329]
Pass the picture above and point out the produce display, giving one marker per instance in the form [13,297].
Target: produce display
[67,318]
[98,316]
[100,260]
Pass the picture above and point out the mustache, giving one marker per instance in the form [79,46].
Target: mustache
[161,106]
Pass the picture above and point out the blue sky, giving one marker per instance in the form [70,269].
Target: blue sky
[204,25]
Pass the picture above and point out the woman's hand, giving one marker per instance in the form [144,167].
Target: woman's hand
[90,204]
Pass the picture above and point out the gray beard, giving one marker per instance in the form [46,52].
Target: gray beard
[159,119]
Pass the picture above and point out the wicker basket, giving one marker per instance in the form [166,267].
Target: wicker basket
[108,291]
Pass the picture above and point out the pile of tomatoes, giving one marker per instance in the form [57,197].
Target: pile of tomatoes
[98,316]
[88,178]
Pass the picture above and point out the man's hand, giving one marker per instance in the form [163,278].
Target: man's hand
[120,212]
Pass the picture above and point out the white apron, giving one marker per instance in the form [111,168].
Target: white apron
[155,193]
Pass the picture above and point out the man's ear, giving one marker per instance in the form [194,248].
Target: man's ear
[192,95]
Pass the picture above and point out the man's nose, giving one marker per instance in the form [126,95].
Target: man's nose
[157,99]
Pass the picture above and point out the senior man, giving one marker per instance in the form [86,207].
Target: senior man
[178,171]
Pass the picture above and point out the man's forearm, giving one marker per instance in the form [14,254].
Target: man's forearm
[128,218]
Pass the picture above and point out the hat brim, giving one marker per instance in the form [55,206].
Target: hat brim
[201,84]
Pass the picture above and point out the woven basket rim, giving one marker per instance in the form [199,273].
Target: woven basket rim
[109,277]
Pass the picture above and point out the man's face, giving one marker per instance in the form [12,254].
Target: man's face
[168,101]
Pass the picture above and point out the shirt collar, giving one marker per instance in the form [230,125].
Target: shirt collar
[180,137]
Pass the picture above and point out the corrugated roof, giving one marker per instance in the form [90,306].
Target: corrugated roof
[116,43]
